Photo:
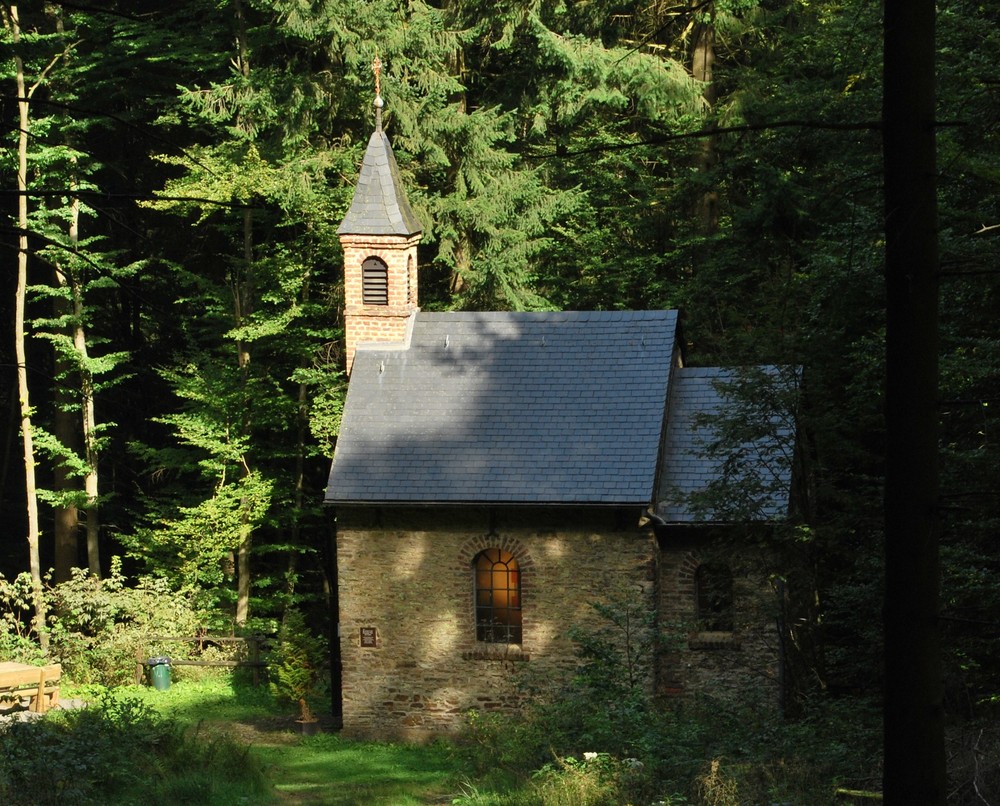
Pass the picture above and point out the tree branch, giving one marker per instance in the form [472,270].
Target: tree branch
[714,131]
[41,76]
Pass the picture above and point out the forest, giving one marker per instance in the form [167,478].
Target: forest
[172,178]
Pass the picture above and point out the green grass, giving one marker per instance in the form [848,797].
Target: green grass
[209,700]
[330,770]
[322,769]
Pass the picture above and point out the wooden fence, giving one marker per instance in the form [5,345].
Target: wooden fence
[857,795]
[252,661]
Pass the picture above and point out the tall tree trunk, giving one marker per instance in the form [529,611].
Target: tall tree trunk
[914,718]
[90,481]
[302,432]
[462,253]
[702,69]
[242,300]
[241,295]
[89,420]
[66,524]
[67,517]
[20,352]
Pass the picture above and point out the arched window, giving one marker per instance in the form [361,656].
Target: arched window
[713,584]
[374,282]
[498,597]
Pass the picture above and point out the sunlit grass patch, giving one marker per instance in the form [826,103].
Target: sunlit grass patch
[337,771]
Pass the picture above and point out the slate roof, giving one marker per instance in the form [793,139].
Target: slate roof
[380,206]
[545,408]
[753,479]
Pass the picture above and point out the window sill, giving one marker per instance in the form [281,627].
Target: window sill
[714,640]
[497,654]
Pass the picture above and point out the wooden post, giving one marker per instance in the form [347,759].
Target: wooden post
[255,658]
[40,695]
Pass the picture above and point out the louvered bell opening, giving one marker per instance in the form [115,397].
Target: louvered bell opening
[374,282]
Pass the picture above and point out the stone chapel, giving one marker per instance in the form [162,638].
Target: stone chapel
[496,473]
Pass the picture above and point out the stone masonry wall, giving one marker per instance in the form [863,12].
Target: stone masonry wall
[744,662]
[406,585]
[378,323]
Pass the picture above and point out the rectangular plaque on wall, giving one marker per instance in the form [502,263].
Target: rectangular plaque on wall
[369,637]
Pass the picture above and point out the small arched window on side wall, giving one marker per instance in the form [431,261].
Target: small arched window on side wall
[713,584]
[498,597]
[374,282]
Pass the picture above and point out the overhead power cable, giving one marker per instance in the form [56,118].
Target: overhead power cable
[102,195]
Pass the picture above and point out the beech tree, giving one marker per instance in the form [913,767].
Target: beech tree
[24,92]
[257,182]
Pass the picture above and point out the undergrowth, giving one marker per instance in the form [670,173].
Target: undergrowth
[603,739]
[121,751]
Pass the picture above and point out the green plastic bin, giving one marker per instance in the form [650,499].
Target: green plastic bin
[159,673]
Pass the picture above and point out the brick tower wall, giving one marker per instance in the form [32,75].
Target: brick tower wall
[378,323]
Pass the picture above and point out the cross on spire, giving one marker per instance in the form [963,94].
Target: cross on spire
[377,70]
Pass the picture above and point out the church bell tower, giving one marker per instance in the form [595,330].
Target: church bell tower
[379,236]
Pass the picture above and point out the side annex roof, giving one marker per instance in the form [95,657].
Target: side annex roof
[729,445]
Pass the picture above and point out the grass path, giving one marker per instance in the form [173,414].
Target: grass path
[322,769]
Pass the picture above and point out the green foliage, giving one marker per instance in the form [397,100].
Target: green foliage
[753,443]
[328,388]
[98,626]
[190,545]
[120,750]
[295,663]
[609,705]
[708,751]
[754,754]
[17,643]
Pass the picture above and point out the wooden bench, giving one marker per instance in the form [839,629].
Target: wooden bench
[39,683]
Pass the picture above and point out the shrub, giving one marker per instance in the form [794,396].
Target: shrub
[710,751]
[296,663]
[606,708]
[99,625]
[16,641]
[118,751]
[596,780]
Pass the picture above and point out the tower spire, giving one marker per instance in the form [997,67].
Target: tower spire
[379,235]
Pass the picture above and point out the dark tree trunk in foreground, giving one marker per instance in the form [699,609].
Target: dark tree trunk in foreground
[914,726]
